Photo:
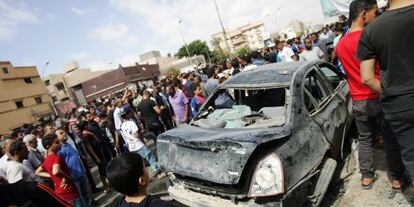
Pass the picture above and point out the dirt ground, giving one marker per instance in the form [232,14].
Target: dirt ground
[344,192]
[348,192]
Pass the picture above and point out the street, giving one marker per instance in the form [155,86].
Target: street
[345,191]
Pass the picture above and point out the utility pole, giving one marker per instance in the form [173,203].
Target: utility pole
[182,37]
[51,103]
[208,55]
[222,28]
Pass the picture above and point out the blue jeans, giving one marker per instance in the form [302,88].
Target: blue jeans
[146,154]
[84,190]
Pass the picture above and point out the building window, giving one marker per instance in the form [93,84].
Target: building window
[28,80]
[60,87]
[5,70]
[47,82]
[19,104]
[38,100]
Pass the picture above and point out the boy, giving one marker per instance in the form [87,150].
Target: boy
[131,134]
[197,100]
[55,168]
[127,174]
[72,159]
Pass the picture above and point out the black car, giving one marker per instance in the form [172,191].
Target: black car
[265,137]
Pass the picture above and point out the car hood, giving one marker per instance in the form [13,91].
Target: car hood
[215,155]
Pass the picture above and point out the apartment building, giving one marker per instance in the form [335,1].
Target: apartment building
[23,96]
[251,35]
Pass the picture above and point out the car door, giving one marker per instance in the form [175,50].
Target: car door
[338,82]
[322,105]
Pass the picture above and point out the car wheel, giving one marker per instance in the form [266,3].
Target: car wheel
[321,182]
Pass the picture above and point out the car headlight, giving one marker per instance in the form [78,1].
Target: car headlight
[268,179]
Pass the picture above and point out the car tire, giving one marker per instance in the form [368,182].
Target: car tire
[321,182]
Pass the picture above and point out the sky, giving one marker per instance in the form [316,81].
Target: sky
[101,34]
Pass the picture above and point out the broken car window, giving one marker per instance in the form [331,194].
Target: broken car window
[314,91]
[244,108]
[333,77]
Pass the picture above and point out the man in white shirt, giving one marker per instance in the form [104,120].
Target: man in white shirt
[130,132]
[15,170]
[311,52]
[4,159]
[286,54]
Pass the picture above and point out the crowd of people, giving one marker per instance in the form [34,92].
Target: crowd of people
[116,131]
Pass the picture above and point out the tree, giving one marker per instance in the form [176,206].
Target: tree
[218,56]
[215,42]
[243,51]
[196,47]
[173,72]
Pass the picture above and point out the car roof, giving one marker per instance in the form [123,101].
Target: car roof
[270,74]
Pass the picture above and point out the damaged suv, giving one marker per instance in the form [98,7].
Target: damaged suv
[265,137]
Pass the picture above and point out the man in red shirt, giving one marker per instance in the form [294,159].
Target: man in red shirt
[366,104]
[55,167]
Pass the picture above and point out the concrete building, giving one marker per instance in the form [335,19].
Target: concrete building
[187,64]
[154,57]
[251,35]
[62,87]
[165,63]
[56,87]
[23,96]
[116,80]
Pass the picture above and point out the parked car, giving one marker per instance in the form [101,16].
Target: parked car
[265,137]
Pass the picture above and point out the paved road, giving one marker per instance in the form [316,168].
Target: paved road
[106,199]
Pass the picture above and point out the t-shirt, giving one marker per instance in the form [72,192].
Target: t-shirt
[258,62]
[149,201]
[72,160]
[146,107]
[3,165]
[314,54]
[346,52]
[195,104]
[323,45]
[390,40]
[129,128]
[286,54]
[17,171]
[23,193]
[40,146]
[117,118]
[97,131]
[90,139]
[211,85]
[34,159]
[178,103]
[273,58]
[137,100]
[69,193]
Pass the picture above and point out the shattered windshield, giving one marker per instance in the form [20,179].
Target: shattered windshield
[244,108]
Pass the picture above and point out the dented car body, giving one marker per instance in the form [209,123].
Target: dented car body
[268,136]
